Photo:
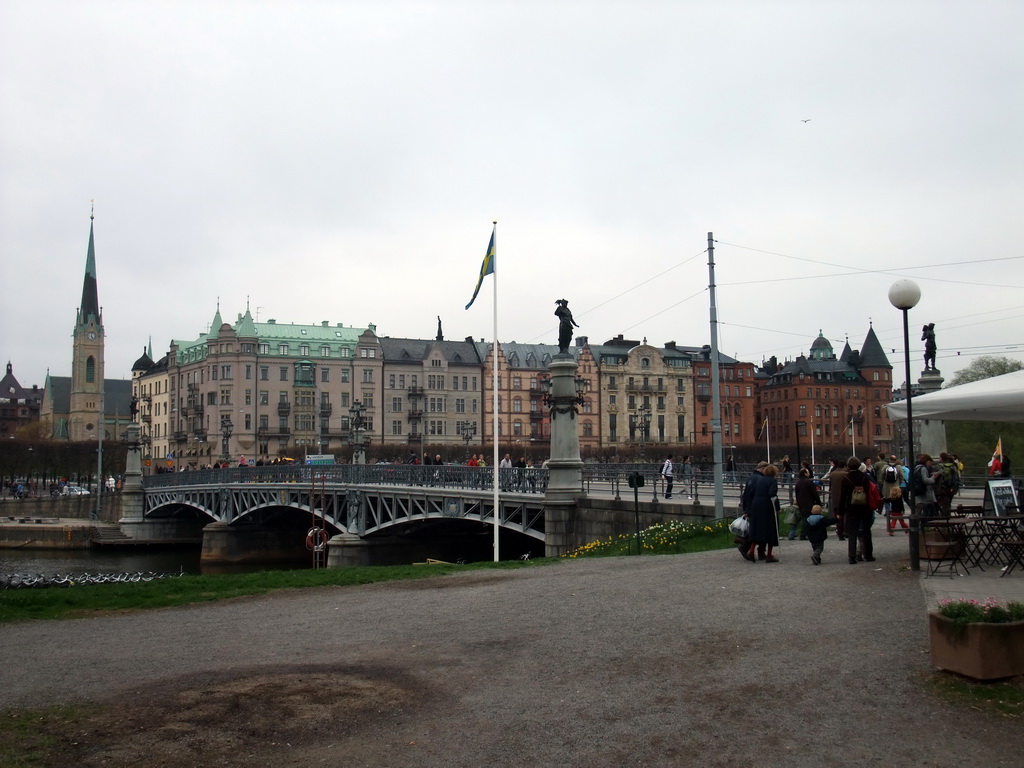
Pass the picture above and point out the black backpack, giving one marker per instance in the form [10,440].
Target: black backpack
[917,484]
[891,475]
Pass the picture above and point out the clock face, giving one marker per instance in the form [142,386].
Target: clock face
[92,336]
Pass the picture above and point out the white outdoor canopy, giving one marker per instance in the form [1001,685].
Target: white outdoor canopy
[1000,398]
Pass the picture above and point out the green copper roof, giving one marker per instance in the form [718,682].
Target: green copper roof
[246,328]
[90,297]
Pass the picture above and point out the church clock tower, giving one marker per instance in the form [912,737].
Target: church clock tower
[85,416]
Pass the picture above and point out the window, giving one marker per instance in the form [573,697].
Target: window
[248,397]
[264,373]
[211,398]
[344,375]
[325,351]
[396,404]
[517,382]
[517,405]
[460,405]
[368,400]
[391,381]
[345,352]
[284,373]
[325,375]
[264,397]
[264,421]
[213,373]
[304,350]
[282,349]
[367,375]
[264,349]
[396,427]
[248,372]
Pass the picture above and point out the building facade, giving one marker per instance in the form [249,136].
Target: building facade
[432,394]
[836,402]
[645,393]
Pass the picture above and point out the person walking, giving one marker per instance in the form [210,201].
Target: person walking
[836,475]
[760,498]
[856,510]
[924,479]
[806,495]
[667,470]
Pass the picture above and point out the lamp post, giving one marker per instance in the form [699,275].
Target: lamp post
[643,423]
[468,432]
[226,427]
[904,295]
[357,423]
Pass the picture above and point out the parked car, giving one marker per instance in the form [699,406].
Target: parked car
[75,490]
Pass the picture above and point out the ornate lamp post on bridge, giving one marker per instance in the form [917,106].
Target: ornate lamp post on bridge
[643,424]
[356,427]
[468,433]
[226,428]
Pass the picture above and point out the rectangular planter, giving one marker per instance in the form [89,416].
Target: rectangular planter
[978,651]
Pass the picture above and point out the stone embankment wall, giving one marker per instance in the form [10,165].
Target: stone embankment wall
[78,507]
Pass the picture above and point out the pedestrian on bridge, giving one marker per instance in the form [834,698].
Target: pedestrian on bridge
[667,472]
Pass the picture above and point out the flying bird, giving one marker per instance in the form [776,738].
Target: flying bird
[805,121]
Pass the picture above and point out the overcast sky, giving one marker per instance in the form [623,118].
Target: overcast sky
[343,161]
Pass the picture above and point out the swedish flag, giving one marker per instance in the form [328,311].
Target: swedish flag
[486,268]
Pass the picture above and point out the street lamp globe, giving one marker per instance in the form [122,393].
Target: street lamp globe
[904,294]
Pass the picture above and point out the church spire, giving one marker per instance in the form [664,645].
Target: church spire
[90,297]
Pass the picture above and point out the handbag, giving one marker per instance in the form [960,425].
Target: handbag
[790,517]
[740,527]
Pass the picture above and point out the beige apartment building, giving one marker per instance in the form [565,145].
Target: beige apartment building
[524,420]
[431,396]
[643,384]
[251,390]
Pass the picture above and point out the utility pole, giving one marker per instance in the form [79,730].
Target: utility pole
[716,397]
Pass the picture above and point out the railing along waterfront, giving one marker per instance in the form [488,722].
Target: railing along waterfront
[516,479]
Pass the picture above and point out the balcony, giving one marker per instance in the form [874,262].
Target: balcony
[283,409]
[415,415]
[415,391]
[199,435]
[703,397]
[326,409]
[180,437]
[635,387]
[147,418]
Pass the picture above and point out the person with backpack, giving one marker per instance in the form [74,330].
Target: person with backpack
[924,479]
[855,506]
[948,484]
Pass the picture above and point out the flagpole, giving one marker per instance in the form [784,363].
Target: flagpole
[494,397]
[768,436]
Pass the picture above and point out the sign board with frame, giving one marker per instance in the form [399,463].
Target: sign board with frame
[1000,496]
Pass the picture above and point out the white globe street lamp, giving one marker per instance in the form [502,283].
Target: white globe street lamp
[904,295]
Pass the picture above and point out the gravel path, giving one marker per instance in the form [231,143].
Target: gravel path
[655,661]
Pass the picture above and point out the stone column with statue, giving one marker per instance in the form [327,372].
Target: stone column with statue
[564,464]
[930,433]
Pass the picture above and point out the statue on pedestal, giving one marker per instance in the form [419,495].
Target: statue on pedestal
[928,337]
[565,326]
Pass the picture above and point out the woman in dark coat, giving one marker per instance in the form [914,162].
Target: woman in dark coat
[759,499]
[856,516]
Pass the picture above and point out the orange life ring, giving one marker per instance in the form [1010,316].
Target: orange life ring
[316,539]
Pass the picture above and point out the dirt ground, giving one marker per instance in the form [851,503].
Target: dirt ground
[702,660]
